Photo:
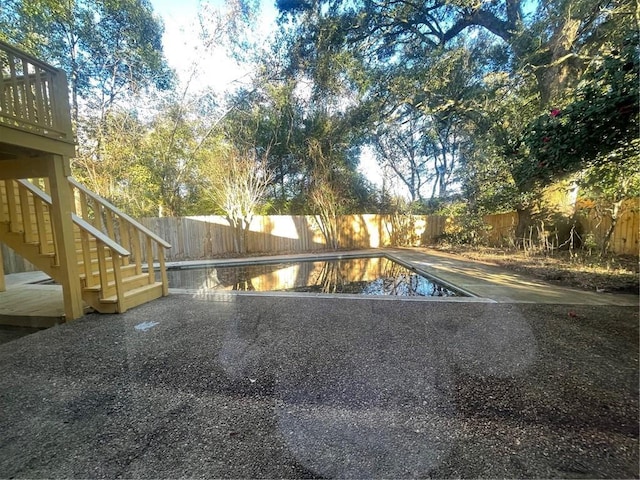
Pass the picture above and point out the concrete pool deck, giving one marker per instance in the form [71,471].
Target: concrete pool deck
[485,281]
[504,286]
[255,386]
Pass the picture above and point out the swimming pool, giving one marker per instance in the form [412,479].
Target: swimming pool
[379,275]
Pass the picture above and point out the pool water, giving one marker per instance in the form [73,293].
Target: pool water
[360,276]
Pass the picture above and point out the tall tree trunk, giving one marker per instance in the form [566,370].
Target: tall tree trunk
[236,229]
[615,215]
[554,76]
[525,220]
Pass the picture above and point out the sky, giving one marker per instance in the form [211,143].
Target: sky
[180,41]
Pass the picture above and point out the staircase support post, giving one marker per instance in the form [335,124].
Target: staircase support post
[3,286]
[61,210]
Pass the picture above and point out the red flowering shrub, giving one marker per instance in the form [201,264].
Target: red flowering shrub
[601,119]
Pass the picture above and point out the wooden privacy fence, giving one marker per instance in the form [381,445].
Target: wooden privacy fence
[210,236]
[501,229]
[624,240]
[592,227]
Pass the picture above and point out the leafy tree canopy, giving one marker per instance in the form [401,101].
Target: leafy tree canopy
[109,48]
[600,118]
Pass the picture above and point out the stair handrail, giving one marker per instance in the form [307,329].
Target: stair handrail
[83,224]
[119,213]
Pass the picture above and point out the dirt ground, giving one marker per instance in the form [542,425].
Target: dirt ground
[309,387]
[587,272]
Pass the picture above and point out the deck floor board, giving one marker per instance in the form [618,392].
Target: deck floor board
[26,304]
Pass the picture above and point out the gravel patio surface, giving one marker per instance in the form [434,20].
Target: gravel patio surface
[311,387]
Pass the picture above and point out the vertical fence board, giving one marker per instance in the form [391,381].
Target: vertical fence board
[501,228]
[210,236]
[624,240]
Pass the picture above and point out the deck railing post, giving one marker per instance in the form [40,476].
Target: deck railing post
[3,286]
[117,276]
[61,107]
[86,259]
[61,218]
[25,211]
[149,247]
[12,206]
[163,271]
[3,200]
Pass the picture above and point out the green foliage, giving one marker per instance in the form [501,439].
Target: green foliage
[450,94]
[281,122]
[617,179]
[149,167]
[109,48]
[601,119]
[478,73]
[494,114]
[420,139]
[119,176]
[462,226]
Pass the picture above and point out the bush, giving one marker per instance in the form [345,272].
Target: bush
[462,226]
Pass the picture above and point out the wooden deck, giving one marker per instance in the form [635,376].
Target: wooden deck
[25,304]
[93,250]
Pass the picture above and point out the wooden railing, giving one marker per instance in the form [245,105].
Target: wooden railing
[27,214]
[124,230]
[33,95]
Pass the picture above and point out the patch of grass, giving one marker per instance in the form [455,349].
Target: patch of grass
[612,273]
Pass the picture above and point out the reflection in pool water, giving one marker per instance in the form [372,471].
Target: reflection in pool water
[360,276]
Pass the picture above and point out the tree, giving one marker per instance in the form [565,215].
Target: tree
[237,182]
[269,117]
[400,146]
[111,50]
[539,57]
[326,201]
[121,175]
[426,123]
[494,115]
[551,42]
[108,48]
[278,119]
[148,163]
[600,119]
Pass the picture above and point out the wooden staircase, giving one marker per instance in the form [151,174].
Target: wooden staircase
[120,262]
[101,257]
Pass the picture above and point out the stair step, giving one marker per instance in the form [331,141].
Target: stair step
[129,283]
[135,292]
[132,298]
[138,287]
[127,270]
